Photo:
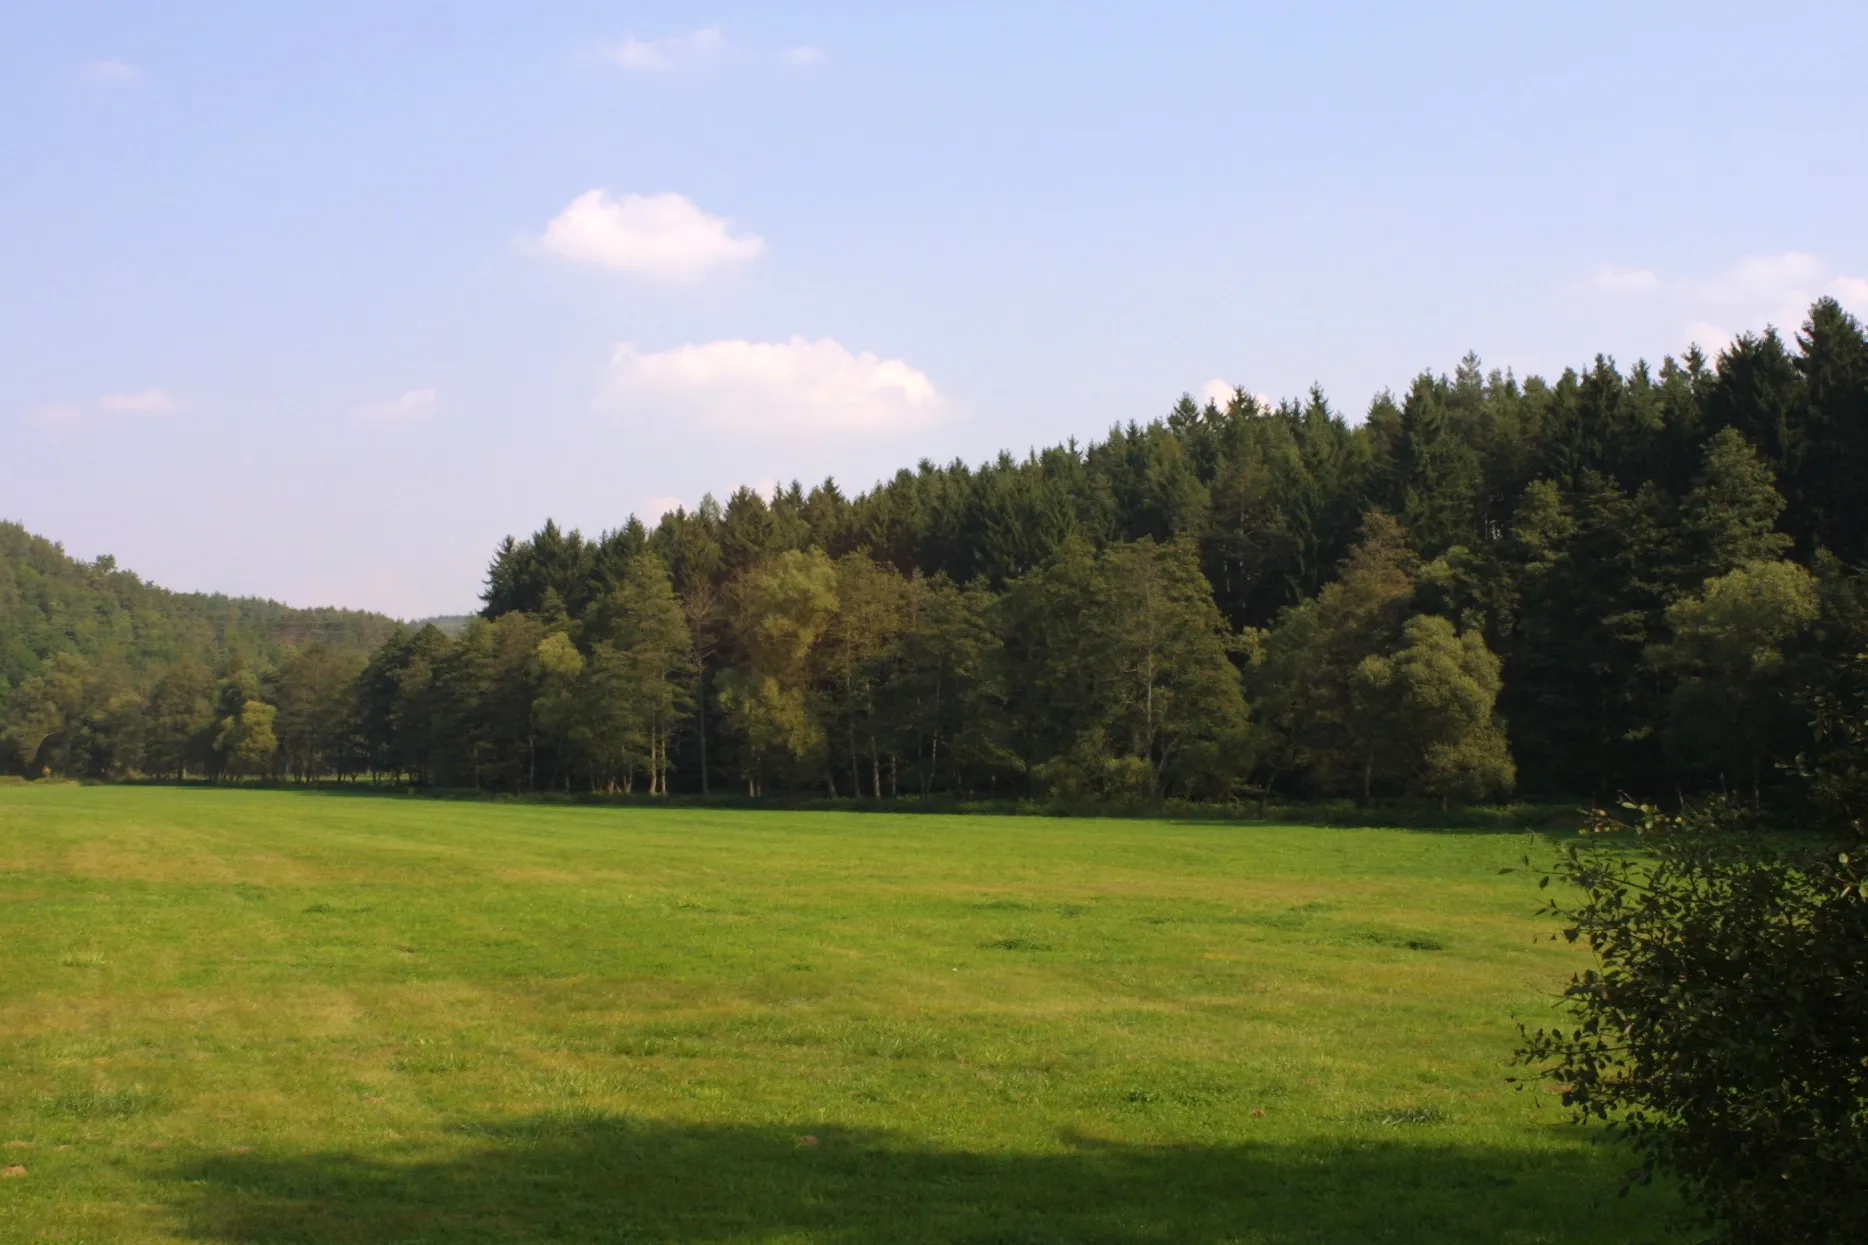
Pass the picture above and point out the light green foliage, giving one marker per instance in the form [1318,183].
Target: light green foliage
[858,654]
[252,1017]
[556,668]
[1426,713]
[245,739]
[1734,648]
[314,694]
[784,606]
[43,708]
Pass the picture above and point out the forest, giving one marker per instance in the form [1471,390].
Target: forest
[1644,580]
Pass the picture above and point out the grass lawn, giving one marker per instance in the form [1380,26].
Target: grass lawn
[245,1016]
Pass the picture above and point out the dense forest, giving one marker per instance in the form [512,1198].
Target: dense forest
[1644,580]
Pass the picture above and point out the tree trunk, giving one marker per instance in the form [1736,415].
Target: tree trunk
[700,707]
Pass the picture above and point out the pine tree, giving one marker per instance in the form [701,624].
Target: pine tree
[1730,517]
[1830,509]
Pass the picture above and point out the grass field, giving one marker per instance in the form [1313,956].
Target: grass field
[266,1017]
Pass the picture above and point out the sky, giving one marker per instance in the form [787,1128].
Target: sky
[318,301]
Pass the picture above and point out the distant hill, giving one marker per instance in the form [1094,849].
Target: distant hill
[446,624]
[51,602]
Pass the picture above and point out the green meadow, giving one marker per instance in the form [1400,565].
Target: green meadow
[263,1016]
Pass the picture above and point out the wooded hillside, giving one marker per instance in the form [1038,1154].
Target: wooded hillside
[83,644]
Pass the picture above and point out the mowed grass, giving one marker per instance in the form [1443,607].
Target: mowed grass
[244,1016]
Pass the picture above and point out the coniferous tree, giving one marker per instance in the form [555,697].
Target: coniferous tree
[1830,509]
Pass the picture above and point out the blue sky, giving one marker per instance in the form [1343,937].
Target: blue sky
[317,301]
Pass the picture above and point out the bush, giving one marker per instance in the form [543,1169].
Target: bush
[1725,1032]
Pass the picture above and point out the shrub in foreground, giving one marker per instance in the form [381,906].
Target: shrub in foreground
[1724,1032]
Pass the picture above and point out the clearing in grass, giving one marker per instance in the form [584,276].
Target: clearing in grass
[244,1016]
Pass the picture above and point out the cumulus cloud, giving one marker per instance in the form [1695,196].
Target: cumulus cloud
[1625,280]
[1767,290]
[702,49]
[1757,291]
[143,402]
[1221,393]
[1766,278]
[1852,292]
[660,236]
[776,388]
[1709,337]
[654,508]
[676,52]
[414,404]
[109,73]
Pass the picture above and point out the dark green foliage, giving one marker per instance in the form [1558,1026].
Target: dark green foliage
[1724,1033]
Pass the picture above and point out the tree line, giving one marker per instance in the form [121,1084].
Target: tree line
[1618,580]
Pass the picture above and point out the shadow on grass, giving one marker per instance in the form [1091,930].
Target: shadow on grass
[581,1180]
[1402,814]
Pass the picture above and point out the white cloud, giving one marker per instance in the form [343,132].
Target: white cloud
[1774,290]
[702,49]
[1709,337]
[1755,292]
[415,404]
[662,236]
[109,73]
[1625,280]
[654,508]
[1766,278]
[677,52]
[776,388]
[1852,292]
[145,402]
[1221,393]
